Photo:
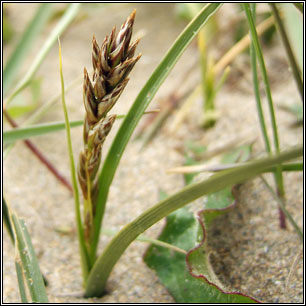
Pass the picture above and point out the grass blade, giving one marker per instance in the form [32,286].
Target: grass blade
[44,128]
[31,32]
[36,130]
[291,58]
[105,263]
[7,220]
[141,103]
[82,247]
[61,26]
[255,42]
[29,263]
[22,289]
[258,99]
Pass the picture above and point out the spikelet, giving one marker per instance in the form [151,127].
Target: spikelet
[112,63]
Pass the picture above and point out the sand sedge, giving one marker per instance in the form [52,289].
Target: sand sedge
[111,64]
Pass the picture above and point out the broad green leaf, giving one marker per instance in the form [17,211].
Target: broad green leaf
[14,63]
[27,259]
[182,230]
[105,262]
[195,283]
[141,103]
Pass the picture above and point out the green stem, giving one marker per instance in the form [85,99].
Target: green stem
[255,41]
[292,61]
[83,252]
[258,99]
[104,264]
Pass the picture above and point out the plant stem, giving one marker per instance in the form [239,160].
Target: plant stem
[40,155]
[258,51]
[258,100]
[83,252]
[292,61]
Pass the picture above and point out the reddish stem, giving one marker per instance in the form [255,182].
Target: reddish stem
[40,156]
[282,219]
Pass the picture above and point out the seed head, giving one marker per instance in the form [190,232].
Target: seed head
[112,62]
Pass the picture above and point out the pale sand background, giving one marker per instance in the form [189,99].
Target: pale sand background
[250,253]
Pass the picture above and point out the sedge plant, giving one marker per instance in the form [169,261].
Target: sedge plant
[112,62]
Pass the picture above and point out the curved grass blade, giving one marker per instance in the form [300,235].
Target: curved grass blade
[82,246]
[141,103]
[104,264]
[61,26]
[26,258]
[13,64]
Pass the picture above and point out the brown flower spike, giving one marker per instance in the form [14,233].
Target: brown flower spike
[112,62]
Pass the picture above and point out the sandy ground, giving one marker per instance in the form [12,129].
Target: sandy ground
[249,251]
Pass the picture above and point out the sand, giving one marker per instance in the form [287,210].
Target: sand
[249,251]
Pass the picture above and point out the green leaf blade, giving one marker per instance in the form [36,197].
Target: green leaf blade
[21,285]
[31,32]
[29,262]
[36,130]
[67,18]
